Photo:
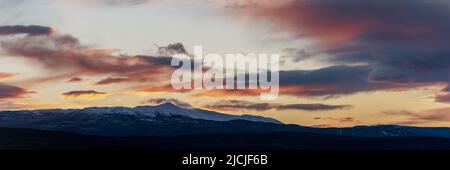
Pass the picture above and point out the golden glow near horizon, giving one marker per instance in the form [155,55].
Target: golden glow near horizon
[104,68]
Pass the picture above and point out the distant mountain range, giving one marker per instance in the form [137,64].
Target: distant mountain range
[170,120]
[168,126]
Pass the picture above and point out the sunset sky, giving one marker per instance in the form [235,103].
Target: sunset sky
[344,63]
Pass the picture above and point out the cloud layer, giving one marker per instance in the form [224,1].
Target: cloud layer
[401,44]
[65,53]
[8,91]
[158,101]
[29,30]
[428,116]
[245,105]
[80,93]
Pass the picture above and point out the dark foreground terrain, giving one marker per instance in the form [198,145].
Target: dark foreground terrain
[169,127]
[28,139]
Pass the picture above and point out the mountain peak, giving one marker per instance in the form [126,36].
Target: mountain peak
[168,104]
[171,108]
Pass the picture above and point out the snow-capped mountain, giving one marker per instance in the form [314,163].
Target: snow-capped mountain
[169,120]
[169,109]
[165,119]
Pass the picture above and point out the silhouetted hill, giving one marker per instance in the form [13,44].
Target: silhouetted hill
[28,139]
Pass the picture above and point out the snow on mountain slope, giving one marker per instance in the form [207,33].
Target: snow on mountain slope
[171,109]
[167,109]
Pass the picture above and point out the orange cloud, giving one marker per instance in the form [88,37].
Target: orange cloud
[64,52]
[4,75]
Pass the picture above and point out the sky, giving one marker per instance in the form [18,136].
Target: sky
[344,63]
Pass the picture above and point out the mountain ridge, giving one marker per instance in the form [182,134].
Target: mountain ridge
[166,109]
[171,120]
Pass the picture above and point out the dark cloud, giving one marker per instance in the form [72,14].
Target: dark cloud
[112,80]
[171,49]
[339,119]
[7,91]
[332,81]
[338,80]
[440,115]
[402,42]
[335,22]
[447,89]
[297,55]
[176,102]
[443,98]
[65,53]
[238,105]
[246,105]
[75,80]
[75,94]
[312,107]
[29,30]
